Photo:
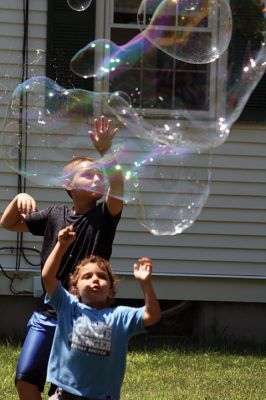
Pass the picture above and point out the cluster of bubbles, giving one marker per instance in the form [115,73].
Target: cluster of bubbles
[175,90]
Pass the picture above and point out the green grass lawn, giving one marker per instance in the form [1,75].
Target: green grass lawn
[163,369]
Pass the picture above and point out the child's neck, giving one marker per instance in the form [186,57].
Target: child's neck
[97,306]
[82,207]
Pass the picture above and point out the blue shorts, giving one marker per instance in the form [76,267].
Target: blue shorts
[33,361]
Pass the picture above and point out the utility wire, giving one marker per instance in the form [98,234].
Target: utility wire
[22,146]
[22,156]
[15,275]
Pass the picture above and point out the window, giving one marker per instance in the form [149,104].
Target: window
[169,84]
[158,81]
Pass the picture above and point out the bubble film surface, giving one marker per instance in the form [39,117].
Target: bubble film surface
[173,188]
[174,89]
[179,103]
[47,126]
[180,28]
[79,5]
[12,70]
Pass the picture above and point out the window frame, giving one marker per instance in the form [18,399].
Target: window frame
[217,89]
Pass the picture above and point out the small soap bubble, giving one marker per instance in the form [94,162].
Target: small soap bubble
[79,5]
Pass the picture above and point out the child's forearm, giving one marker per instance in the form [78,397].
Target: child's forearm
[51,267]
[116,180]
[115,194]
[152,307]
[11,216]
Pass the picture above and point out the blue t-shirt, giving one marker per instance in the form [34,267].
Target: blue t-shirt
[88,356]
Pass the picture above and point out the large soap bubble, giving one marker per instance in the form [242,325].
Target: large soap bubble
[102,57]
[46,130]
[14,68]
[170,112]
[79,5]
[46,126]
[179,103]
[173,187]
[183,28]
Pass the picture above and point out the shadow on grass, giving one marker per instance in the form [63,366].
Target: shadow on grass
[152,343]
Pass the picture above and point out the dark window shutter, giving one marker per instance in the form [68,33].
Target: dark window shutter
[244,33]
[67,32]
[255,110]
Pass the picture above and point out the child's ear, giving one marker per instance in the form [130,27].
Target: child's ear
[111,293]
[67,184]
[75,292]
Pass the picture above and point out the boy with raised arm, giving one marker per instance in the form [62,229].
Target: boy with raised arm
[88,356]
[95,226]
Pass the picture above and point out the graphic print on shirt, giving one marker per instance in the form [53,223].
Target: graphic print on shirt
[91,337]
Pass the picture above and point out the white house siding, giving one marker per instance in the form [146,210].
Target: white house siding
[221,257]
[11,44]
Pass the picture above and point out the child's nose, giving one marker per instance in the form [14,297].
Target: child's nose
[96,178]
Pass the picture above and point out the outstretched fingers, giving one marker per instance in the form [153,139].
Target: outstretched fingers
[143,269]
[102,134]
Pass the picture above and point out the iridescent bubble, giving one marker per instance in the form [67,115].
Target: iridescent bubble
[173,187]
[181,104]
[47,126]
[83,62]
[101,57]
[15,69]
[182,28]
[79,5]
[191,5]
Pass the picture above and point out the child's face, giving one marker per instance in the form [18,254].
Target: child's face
[84,176]
[93,286]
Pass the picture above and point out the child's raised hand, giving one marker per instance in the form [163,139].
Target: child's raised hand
[102,135]
[26,204]
[143,270]
[67,236]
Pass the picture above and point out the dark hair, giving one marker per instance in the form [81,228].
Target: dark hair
[103,264]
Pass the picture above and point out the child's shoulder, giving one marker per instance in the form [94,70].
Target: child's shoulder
[127,310]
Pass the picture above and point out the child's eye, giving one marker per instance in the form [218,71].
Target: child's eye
[87,276]
[103,276]
[87,174]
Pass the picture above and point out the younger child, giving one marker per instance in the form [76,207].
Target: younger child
[88,355]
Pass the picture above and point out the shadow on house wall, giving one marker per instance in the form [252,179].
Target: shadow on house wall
[203,323]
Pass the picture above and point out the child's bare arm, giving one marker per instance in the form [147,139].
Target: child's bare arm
[13,218]
[102,137]
[49,272]
[142,273]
